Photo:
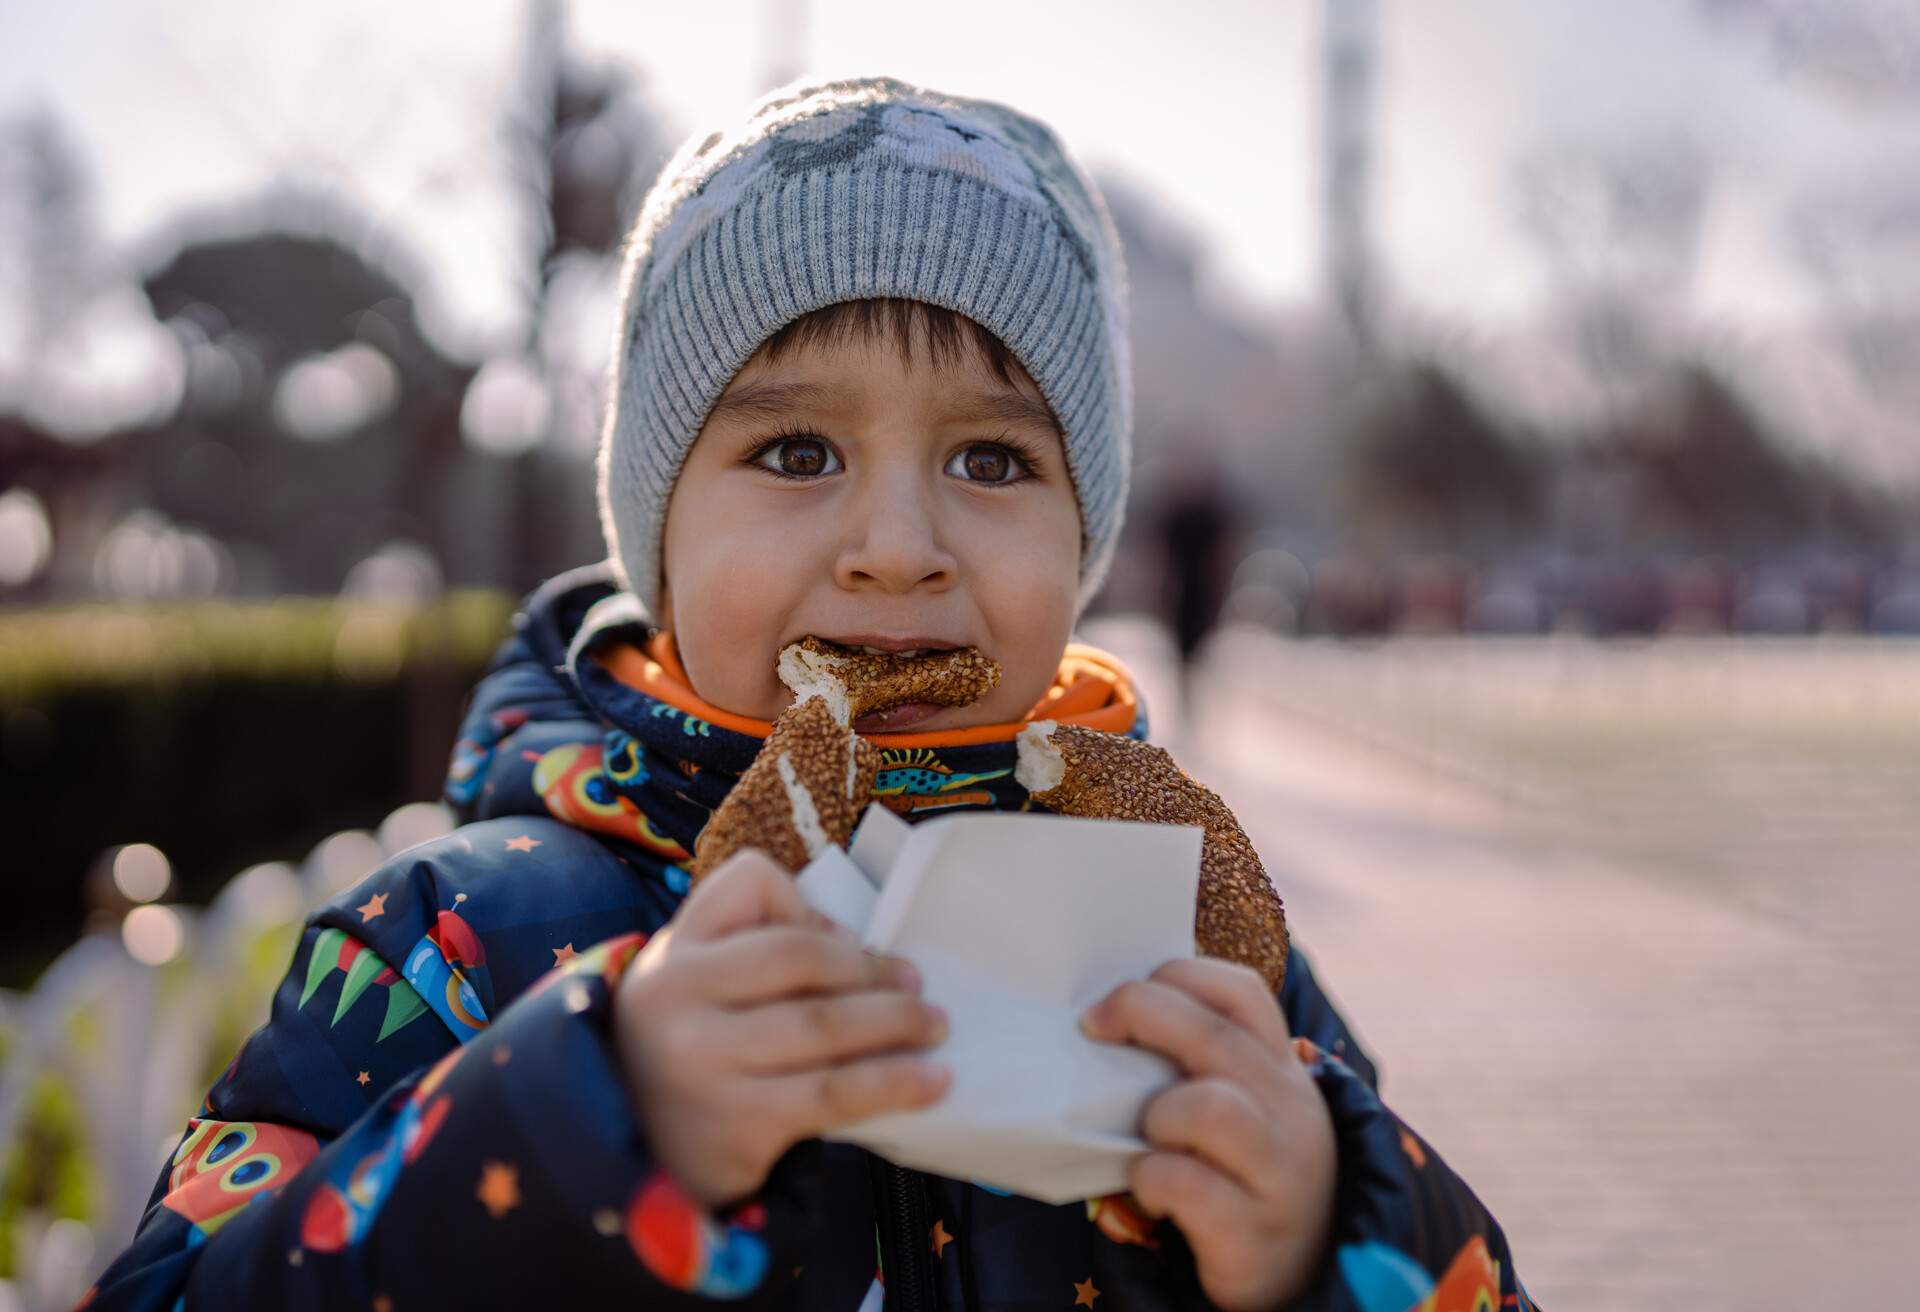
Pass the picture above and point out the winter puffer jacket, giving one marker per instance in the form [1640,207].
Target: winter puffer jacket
[433,1117]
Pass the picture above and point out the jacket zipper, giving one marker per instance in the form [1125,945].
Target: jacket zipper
[907,1274]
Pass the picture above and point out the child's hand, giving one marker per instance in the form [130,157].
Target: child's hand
[751,1022]
[1246,1160]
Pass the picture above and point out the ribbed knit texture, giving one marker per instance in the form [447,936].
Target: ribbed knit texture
[846,190]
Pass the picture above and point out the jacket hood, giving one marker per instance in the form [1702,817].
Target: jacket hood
[583,715]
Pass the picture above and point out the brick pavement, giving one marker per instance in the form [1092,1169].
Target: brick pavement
[1669,1029]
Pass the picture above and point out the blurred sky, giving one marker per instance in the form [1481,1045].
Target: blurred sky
[1213,106]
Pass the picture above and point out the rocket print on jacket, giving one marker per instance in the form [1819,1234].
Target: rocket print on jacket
[344,1206]
[439,966]
[335,950]
[467,771]
[572,780]
[685,1250]
[221,1166]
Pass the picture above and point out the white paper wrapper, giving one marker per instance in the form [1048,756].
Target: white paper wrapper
[1019,923]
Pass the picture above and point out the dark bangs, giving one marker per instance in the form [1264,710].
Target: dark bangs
[949,334]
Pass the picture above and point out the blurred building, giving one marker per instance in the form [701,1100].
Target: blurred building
[245,401]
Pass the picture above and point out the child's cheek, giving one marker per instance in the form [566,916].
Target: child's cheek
[1034,623]
[722,629]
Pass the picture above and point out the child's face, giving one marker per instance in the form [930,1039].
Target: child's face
[885,506]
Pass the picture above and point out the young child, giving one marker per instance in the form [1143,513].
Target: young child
[872,385]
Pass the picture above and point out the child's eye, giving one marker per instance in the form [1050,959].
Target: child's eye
[987,462]
[797,457]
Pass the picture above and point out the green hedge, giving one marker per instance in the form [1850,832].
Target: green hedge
[223,733]
[58,648]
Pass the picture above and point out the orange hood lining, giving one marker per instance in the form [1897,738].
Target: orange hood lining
[1091,688]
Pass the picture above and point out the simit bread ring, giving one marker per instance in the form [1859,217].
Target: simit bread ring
[811,780]
[804,790]
[880,682]
[1082,772]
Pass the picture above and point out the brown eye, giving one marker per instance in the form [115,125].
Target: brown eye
[797,457]
[984,463]
[802,456]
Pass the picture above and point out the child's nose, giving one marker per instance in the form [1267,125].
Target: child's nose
[893,542]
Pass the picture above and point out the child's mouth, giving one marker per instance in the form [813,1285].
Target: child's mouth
[912,678]
[900,717]
[910,649]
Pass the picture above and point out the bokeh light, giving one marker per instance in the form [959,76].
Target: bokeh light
[414,823]
[26,538]
[329,396]
[343,860]
[153,935]
[397,571]
[147,557]
[266,893]
[506,408]
[109,367]
[141,872]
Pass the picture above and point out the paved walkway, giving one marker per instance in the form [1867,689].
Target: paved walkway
[1659,1007]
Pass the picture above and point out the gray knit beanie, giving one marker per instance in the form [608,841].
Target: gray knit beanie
[841,191]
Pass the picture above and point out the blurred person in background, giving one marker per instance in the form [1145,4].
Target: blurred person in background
[1199,526]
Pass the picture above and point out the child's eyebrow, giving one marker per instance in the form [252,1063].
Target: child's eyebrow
[1006,408]
[768,400]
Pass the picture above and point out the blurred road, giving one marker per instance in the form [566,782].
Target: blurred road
[1628,930]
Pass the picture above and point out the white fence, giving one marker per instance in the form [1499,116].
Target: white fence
[113,1047]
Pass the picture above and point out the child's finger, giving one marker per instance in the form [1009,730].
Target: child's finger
[1218,1121]
[832,1096]
[1194,1036]
[1213,1213]
[773,962]
[805,1033]
[748,888]
[1233,990]
[1201,1200]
